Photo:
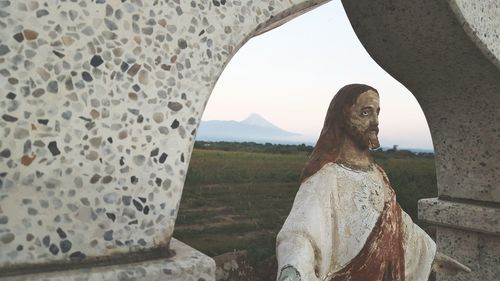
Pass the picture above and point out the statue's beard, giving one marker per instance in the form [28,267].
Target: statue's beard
[364,139]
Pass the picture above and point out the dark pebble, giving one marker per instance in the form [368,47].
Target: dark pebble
[19,37]
[163,157]
[61,233]
[175,106]
[38,93]
[86,76]
[54,249]
[154,152]
[58,54]
[68,83]
[111,216]
[182,43]
[106,179]
[95,178]
[175,124]
[110,25]
[178,10]
[53,148]
[85,201]
[77,256]
[134,111]
[124,66]
[13,81]
[108,235]
[65,245]
[7,238]
[46,241]
[96,61]
[41,13]
[9,118]
[52,87]
[134,179]
[137,205]
[4,50]
[6,154]
[126,200]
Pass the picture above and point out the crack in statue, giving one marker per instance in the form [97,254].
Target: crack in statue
[345,223]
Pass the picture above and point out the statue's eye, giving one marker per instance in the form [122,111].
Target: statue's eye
[364,113]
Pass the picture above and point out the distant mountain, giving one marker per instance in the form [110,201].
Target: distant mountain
[255,119]
[254,128]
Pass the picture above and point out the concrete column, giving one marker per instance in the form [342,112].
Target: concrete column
[446,54]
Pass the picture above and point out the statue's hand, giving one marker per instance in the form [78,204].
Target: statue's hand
[448,266]
[289,273]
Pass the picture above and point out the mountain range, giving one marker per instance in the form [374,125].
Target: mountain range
[254,128]
[257,129]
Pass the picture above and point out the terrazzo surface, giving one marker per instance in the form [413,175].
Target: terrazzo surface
[99,105]
[186,264]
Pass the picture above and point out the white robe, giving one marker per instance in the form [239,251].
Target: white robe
[333,213]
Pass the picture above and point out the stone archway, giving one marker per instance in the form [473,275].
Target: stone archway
[101,101]
[424,45]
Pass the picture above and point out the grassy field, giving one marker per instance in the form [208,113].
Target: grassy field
[235,200]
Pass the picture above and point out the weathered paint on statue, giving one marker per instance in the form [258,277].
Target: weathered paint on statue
[345,223]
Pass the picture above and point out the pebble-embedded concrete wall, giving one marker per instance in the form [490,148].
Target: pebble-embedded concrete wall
[99,108]
[99,105]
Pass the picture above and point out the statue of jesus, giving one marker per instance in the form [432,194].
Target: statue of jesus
[345,223]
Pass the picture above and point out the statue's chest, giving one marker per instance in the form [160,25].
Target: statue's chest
[361,192]
[357,202]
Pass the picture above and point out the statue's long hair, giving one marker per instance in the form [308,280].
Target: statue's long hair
[333,133]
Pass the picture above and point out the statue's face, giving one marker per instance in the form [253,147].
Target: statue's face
[362,120]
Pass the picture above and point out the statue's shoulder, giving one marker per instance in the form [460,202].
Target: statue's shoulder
[324,176]
[330,169]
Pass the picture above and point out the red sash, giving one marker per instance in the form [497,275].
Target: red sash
[382,256]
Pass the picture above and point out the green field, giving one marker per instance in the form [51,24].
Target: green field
[236,200]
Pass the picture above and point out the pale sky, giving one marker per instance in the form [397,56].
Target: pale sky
[290,74]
